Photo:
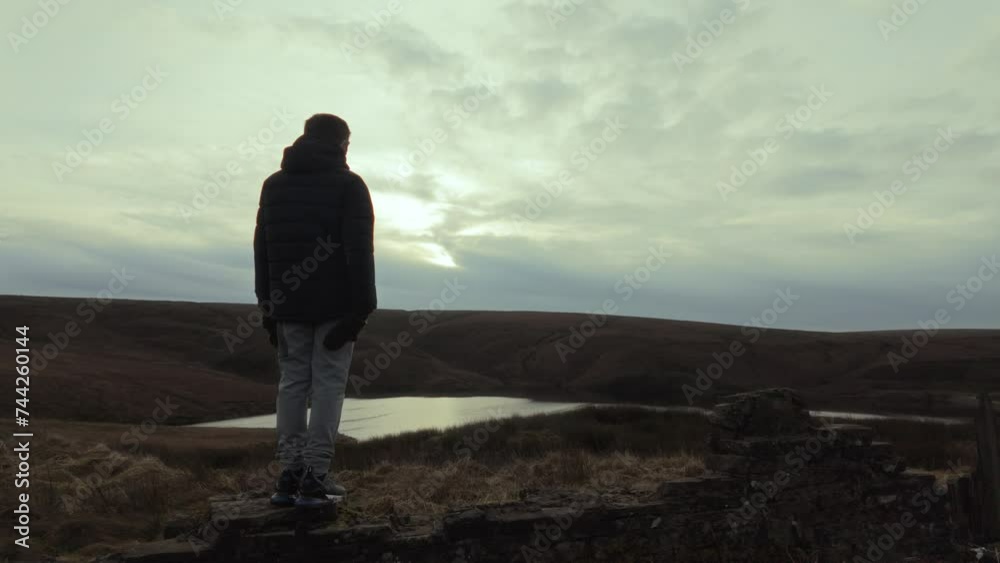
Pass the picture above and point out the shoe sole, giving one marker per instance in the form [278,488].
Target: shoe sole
[311,502]
[283,501]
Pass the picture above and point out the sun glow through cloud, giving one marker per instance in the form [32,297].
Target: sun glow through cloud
[517,185]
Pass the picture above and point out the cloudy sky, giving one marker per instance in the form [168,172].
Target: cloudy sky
[542,154]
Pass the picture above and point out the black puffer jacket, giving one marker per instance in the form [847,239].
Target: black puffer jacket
[313,246]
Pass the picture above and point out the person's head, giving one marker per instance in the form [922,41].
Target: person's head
[329,128]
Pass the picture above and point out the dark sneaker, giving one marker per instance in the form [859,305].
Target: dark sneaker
[314,491]
[335,490]
[287,487]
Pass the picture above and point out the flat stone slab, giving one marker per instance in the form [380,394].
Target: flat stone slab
[166,551]
[245,514]
[234,516]
[685,518]
[766,412]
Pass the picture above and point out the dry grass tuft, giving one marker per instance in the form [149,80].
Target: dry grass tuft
[91,493]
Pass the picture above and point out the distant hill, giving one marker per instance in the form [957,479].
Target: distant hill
[130,353]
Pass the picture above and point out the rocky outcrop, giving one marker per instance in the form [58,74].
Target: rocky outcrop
[779,486]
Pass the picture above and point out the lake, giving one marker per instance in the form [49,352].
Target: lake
[368,418]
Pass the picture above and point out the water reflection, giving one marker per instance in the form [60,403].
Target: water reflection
[368,418]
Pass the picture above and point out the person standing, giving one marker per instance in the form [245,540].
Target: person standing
[315,286]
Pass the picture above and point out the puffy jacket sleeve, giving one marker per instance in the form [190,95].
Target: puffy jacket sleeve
[261,279]
[358,240]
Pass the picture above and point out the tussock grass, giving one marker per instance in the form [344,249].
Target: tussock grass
[388,489]
[92,491]
[935,447]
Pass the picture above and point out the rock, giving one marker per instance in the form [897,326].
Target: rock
[762,413]
[167,551]
[728,463]
[241,514]
[776,447]
[463,523]
[181,523]
[847,434]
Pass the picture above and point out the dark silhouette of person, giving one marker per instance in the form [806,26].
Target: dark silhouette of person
[315,285]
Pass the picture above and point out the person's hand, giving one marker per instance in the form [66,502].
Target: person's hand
[271,326]
[346,330]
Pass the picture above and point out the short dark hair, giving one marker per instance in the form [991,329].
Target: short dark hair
[329,128]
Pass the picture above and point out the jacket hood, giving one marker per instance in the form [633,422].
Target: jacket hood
[308,154]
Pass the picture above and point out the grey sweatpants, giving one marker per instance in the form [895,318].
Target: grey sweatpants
[309,370]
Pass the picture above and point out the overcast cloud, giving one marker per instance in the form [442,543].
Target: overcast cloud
[594,135]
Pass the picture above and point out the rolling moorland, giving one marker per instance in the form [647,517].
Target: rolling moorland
[115,361]
[94,493]
[105,482]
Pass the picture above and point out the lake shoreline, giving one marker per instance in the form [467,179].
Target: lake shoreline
[959,406]
[371,417]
